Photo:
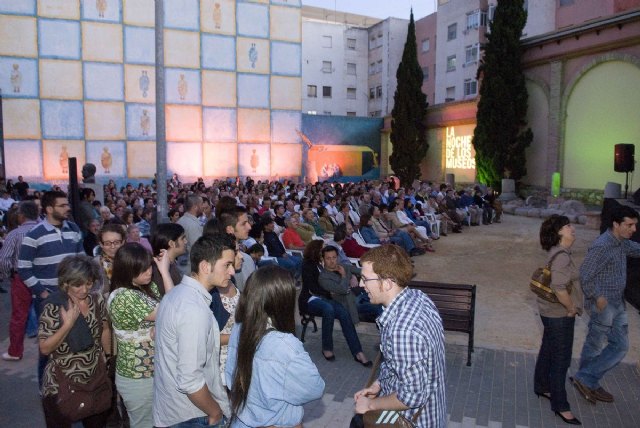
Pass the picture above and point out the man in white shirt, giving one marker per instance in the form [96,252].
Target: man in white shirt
[187,380]
[6,201]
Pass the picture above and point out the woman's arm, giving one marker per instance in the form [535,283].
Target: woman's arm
[68,317]
[163,263]
[106,337]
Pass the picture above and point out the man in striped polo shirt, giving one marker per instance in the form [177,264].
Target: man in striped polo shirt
[44,247]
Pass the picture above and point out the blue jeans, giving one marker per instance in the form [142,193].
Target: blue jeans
[202,421]
[329,310]
[426,225]
[32,322]
[292,264]
[606,344]
[554,360]
[367,311]
[403,239]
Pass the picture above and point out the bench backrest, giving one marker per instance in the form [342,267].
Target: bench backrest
[455,303]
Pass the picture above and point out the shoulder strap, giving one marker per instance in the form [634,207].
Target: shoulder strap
[553,258]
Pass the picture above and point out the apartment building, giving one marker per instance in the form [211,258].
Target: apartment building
[426,29]
[386,44]
[335,58]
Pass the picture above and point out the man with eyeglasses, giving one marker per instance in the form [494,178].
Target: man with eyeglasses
[44,247]
[412,373]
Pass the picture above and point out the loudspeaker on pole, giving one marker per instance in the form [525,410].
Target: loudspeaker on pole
[623,159]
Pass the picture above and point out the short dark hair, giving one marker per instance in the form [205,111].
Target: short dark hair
[191,201]
[131,260]
[86,192]
[328,249]
[312,251]
[340,232]
[256,249]
[622,211]
[549,230]
[112,227]
[164,233]
[209,248]
[230,218]
[225,203]
[49,198]
[28,209]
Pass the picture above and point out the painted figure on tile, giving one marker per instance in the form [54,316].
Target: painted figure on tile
[255,161]
[101,6]
[253,55]
[144,83]
[145,122]
[183,87]
[217,15]
[64,160]
[16,78]
[375,160]
[106,160]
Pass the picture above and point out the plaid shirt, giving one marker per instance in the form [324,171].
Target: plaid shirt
[11,248]
[604,270]
[412,343]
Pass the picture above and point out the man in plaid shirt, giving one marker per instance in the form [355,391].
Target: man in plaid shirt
[603,277]
[412,375]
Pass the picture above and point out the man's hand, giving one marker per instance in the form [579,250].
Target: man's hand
[362,405]
[601,303]
[340,270]
[370,392]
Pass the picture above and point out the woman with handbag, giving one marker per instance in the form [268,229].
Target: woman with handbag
[132,306]
[557,235]
[270,374]
[74,332]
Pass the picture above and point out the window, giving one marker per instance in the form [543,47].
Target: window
[425,74]
[372,42]
[425,45]
[326,91]
[351,44]
[372,68]
[376,113]
[351,113]
[492,10]
[312,91]
[351,68]
[470,87]
[476,19]
[379,91]
[379,66]
[326,67]
[312,112]
[326,113]
[471,53]
[327,42]
[372,93]
[351,93]
[452,31]
[450,94]
[451,63]
[566,2]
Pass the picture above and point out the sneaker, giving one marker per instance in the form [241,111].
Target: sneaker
[584,390]
[416,252]
[601,394]
[8,357]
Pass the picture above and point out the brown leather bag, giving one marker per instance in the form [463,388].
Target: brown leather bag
[77,400]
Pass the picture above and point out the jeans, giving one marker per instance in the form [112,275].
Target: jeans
[329,310]
[367,311]
[202,421]
[606,344]
[426,225]
[20,307]
[32,322]
[554,360]
[137,395]
[403,239]
[292,264]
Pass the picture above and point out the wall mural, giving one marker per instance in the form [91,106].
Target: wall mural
[78,79]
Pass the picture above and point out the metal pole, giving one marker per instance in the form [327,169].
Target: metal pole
[2,159]
[161,138]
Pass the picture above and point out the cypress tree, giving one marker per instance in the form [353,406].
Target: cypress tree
[501,136]
[408,136]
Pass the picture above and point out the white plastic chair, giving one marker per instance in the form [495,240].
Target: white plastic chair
[434,222]
[360,240]
[288,251]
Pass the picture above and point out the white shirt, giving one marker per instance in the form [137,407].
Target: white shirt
[187,354]
[5,204]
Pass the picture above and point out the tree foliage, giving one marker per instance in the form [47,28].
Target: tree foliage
[501,135]
[408,136]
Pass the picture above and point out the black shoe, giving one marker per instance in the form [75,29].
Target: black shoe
[544,395]
[331,358]
[416,252]
[366,364]
[574,421]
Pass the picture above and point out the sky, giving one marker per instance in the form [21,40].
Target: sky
[378,8]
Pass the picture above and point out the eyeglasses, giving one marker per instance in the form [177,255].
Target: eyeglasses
[112,243]
[364,280]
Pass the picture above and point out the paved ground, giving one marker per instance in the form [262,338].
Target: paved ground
[496,391]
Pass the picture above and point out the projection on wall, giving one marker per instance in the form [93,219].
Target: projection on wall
[78,79]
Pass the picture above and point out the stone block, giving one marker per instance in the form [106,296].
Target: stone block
[592,219]
[521,211]
[573,206]
[582,219]
[545,213]
[533,212]
[509,209]
[573,218]
[536,202]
